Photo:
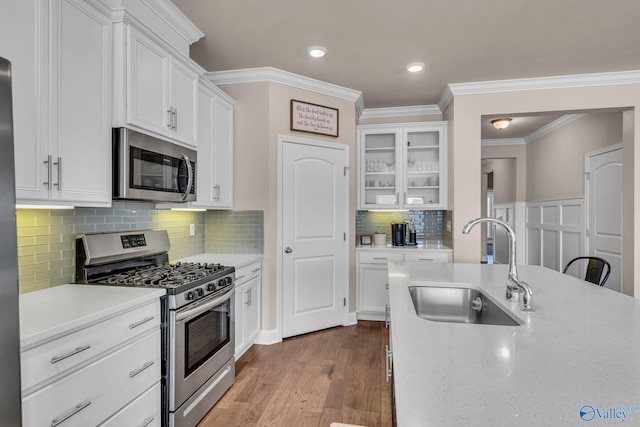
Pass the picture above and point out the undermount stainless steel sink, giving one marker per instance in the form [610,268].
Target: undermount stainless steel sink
[459,305]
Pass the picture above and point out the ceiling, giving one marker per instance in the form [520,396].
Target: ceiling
[370,42]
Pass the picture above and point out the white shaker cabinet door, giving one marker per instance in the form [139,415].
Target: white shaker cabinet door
[147,84]
[80,106]
[184,90]
[223,154]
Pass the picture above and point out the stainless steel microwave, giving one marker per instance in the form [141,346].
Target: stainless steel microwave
[148,168]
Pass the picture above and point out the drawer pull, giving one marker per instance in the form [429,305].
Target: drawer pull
[379,257]
[387,315]
[426,259]
[56,359]
[256,270]
[388,362]
[137,371]
[79,407]
[386,286]
[239,277]
[147,421]
[143,321]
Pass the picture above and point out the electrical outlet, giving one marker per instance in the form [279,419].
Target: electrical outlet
[449,226]
[192,229]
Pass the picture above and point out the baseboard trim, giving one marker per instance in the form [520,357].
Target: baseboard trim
[268,337]
[352,319]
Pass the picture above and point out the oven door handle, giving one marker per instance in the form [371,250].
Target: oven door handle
[193,312]
[190,180]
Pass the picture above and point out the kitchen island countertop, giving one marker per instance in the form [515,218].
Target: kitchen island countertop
[575,359]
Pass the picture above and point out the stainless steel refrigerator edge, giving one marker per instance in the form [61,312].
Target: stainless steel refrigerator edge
[10,398]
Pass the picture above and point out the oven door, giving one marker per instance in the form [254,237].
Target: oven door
[202,341]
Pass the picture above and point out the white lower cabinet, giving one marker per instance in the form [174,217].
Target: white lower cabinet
[372,277]
[108,372]
[247,305]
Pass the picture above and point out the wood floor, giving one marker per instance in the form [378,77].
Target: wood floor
[335,375]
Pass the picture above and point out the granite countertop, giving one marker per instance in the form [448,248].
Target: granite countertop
[575,359]
[235,260]
[50,313]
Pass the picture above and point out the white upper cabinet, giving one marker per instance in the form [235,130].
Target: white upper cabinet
[215,149]
[62,98]
[161,91]
[402,166]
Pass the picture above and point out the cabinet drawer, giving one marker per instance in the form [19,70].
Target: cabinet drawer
[244,274]
[380,257]
[144,411]
[46,361]
[90,395]
[428,256]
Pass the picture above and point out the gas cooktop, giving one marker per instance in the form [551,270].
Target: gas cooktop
[166,275]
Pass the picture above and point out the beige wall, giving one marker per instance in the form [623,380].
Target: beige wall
[555,162]
[465,159]
[261,115]
[504,180]
[517,152]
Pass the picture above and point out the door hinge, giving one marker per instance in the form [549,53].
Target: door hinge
[346,168]
[344,301]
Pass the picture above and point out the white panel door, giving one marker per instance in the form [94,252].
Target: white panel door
[314,200]
[605,212]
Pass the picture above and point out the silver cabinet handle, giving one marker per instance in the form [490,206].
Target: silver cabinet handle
[145,320]
[79,407]
[426,259]
[174,113]
[59,164]
[388,361]
[77,350]
[169,122]
[239,277]
[48,163]
[137,371]
[386,286]
[256,270]
[379,258]
[147,421]
[387,315]
[288,250]
[249,298]
[190,180]
[217,192]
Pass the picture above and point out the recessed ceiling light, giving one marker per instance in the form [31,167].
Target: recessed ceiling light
[415,67]
[317,51]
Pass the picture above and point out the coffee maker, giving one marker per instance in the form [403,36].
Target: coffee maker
[398,233]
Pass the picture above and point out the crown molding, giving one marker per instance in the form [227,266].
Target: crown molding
[414,110]
[502,141]
[274,75]
[175,19]
[445,99]
[537,83]
[553,126]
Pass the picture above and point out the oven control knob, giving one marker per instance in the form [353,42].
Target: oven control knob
[190,296]
[199,292]
[229,280]
[222,283]
[211,287]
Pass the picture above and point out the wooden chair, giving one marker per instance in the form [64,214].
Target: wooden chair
[595,268]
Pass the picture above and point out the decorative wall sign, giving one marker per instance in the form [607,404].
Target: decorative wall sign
[313,118]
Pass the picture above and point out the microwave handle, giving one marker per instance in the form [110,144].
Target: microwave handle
[190,181]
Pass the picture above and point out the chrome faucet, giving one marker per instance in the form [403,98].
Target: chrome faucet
[515,286]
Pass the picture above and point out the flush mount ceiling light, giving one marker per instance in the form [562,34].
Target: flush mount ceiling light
[501,123]
[415,67]
[317,51]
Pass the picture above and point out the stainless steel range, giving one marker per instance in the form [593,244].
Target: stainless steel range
[198,314]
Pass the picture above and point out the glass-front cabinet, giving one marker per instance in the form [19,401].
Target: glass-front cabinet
[402,166]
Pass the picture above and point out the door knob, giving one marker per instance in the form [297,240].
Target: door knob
[288,250]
